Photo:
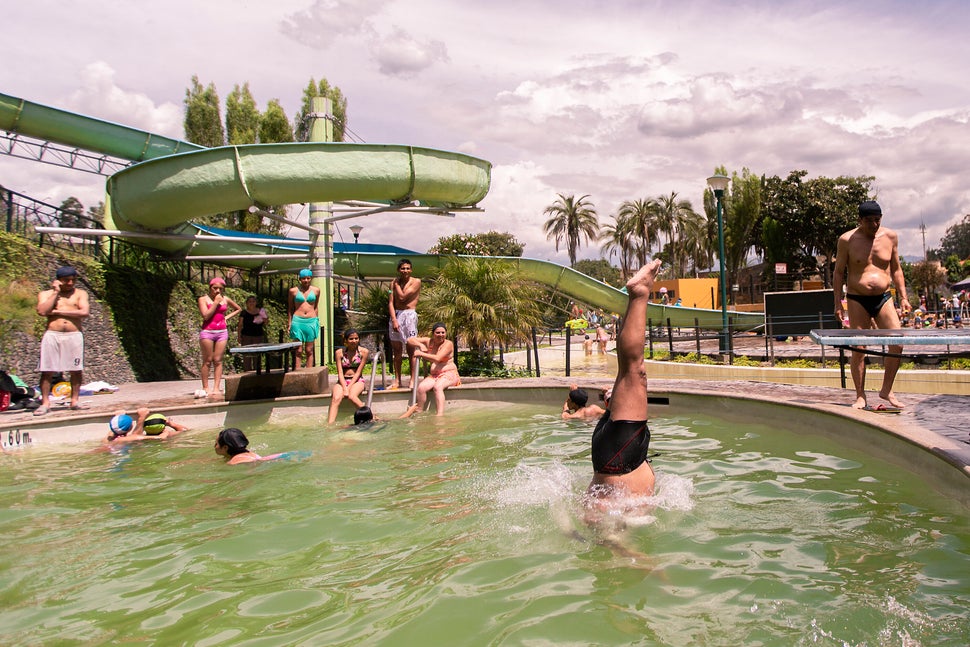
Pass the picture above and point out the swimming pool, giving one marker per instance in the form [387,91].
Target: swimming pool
[466,530]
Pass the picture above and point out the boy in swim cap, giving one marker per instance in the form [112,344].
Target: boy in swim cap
[125,429]
[576,408]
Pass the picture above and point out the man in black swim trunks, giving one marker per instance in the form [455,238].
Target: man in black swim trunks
[621,439]
[867,262]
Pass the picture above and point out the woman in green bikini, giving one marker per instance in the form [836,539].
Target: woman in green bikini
[304,317]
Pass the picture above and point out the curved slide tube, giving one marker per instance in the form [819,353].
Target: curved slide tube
[80,131]
[166,192]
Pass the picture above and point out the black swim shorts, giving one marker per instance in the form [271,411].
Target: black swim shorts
[619,446]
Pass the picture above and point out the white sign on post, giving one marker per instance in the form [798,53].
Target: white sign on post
[781,268]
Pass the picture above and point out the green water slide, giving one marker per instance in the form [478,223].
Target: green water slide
[174,181]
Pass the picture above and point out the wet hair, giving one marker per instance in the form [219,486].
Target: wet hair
[437,325]
[349,332]
[251,296]
[234,440]
[362,415]
[404,261]
[578,397]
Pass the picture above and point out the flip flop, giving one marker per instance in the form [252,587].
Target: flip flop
[78,407]
[884,408]
[40,411]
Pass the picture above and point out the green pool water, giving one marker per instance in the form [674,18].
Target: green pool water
[469,531]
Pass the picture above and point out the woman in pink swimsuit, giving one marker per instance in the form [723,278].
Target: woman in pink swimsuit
[214,335]
[440,351]
[350,364]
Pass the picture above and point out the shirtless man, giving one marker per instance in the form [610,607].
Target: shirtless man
[621,440]
[62,347]
[577,407]
[404,317]
[867,261]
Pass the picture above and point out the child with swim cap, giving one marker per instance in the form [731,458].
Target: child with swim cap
[125,429]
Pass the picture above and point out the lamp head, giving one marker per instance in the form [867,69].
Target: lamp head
[718,184]
[355,230]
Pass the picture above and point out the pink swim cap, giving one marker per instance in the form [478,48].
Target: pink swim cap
[217,281]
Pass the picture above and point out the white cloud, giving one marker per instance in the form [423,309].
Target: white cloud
[99,96]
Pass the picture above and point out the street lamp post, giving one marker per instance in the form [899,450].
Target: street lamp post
[719,184]
[355,230]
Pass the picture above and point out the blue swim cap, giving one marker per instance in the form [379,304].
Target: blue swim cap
[305,274]
[121,424]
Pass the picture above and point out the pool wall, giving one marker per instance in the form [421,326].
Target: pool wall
[942,461]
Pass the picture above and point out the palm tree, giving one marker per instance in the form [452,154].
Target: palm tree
[571,221]
[482,301]
[672,216]
[640,218]
[619,241]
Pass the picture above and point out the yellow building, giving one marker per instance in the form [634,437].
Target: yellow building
[694,293]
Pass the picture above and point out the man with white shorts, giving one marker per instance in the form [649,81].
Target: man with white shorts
[62,347]
[404,317]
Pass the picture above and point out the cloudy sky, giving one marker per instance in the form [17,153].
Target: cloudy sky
[618,100]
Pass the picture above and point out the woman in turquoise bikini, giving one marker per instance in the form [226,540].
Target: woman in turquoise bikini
[304,317]
[350,364]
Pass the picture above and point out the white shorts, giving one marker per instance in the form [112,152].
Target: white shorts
[61,351]
[407,323]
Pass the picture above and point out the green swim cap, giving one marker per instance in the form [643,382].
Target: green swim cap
[155,424]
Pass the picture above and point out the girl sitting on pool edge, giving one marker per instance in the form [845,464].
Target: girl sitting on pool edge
[233,444]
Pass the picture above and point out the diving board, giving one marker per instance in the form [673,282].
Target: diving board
[856,340]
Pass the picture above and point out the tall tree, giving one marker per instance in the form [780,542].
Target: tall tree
[274,127]
[571,221]
[70,213]
[639,218]
[96,213]
[676,217]
[242,116]
[321,89]
[203,124]
[618,240]
[808,216]
[956,241]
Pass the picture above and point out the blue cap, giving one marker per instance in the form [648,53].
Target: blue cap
[305,274]
[121,424]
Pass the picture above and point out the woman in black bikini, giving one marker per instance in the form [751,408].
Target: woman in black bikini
[350,364]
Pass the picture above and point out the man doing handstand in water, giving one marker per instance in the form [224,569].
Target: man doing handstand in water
[622,439]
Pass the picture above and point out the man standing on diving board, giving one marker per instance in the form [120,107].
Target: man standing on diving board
[867,261]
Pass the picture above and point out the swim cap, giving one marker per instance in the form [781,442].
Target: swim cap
[121,424]
[578,397]
[869,208]
[63,272]
[218,280]
[155,424]
[436,326]
[306,274]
